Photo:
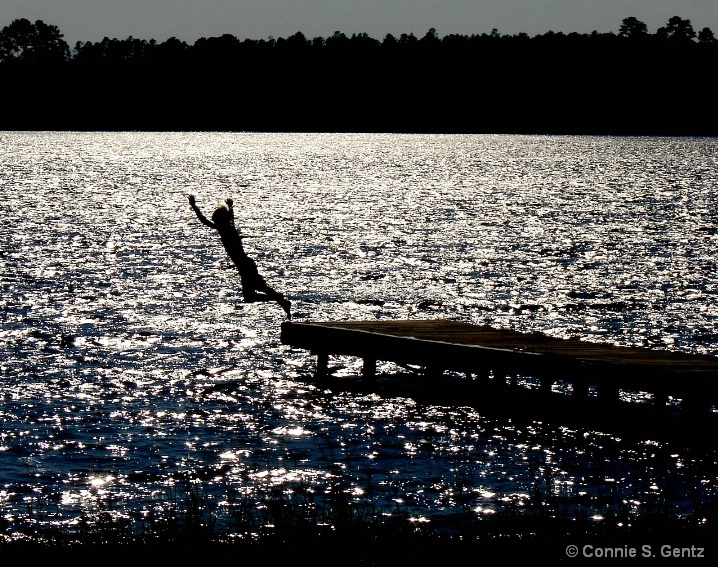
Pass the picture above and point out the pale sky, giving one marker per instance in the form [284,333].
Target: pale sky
[189,20]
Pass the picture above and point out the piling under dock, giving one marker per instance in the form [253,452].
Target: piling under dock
[595,372]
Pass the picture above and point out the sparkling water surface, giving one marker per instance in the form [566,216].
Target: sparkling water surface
[131,367]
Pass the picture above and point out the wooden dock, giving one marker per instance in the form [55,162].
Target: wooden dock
[496,357]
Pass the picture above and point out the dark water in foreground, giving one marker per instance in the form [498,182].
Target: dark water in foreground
[132,370]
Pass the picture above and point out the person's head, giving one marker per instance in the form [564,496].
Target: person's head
[221,216]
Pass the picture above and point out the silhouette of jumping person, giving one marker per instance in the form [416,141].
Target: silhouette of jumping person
[254,288]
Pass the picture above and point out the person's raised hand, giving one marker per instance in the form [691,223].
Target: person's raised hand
[229,201]
[191,199]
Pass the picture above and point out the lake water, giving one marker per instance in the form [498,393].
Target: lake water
[131,367]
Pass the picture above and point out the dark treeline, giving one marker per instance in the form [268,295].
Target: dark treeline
[629,82]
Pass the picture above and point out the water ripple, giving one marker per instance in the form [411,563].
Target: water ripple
[130,364]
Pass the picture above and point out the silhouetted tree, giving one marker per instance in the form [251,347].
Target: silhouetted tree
[408,40]
[115,50]
[337,40]
[363,41]
[430,39]
[295,43]
[39,42]
[172,50]
[678,30]
[633,28]
[389,41]
[223,47]
[706,36]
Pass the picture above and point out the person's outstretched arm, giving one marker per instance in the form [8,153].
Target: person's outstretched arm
[199,214]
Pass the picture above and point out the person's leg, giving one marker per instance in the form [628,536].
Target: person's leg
[273,295]
[251,296]
[258,284]
[255,288]
[266,293]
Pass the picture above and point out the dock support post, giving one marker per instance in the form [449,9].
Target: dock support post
[545,384]
[369,368]
[580,390]
[608,394]
[322,365]
[499,378]
[660,400]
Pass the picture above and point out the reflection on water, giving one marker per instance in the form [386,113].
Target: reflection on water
[130,366]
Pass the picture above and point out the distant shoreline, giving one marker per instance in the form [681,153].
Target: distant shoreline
[630,83]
